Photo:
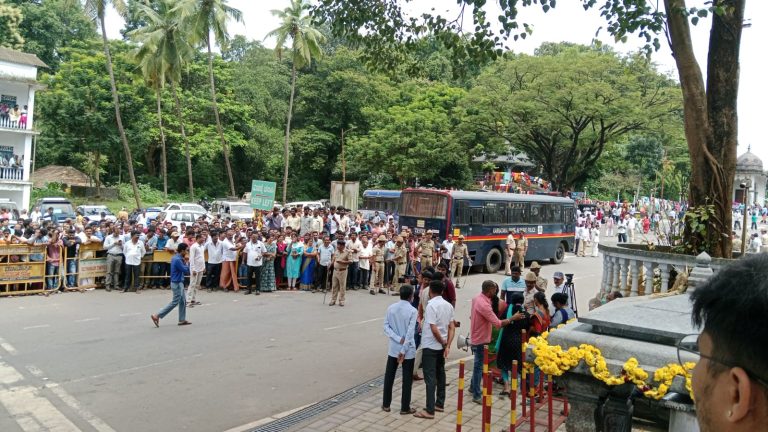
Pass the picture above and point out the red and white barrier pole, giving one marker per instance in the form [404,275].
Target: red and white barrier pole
[513,397]
[460,402]
[524,374]
[551,385]
[484,384]
[532,392]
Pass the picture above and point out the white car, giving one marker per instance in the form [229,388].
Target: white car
[237,210]
[176,217]
[301,204]
[185,206]
[93,213]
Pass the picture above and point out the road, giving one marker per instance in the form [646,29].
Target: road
[95,362]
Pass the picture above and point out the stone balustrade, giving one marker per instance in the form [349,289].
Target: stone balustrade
[630,269]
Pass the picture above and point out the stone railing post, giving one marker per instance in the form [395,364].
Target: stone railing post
[648,278]
[664,277]
[701,273]
[635,272]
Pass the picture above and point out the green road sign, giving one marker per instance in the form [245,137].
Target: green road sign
[263,194]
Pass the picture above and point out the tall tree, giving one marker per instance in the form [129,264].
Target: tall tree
[206,18]
[96,9]
[10,20]
[296,25]
[165,47]
[710,108]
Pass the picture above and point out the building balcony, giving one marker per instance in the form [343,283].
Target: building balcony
[21,124]
[11,173]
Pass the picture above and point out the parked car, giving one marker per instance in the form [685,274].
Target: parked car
[185,206]
[301,204]
[236,210]
[151,213]
[176,217]
[62,208]
[13,209]
[94,212]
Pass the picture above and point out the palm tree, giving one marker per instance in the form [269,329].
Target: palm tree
[152,68]
[165,47]
[297,25]
[206,17]
[96,10]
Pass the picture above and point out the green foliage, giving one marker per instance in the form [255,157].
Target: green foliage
[700,228]
[10,21]
[148,194]
[50,190]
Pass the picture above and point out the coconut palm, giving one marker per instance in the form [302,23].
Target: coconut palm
[96,10]
[206,17]
[165,47]
[152,68]
[296,25]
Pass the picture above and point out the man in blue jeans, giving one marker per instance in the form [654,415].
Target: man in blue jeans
[482,317]
[179,268]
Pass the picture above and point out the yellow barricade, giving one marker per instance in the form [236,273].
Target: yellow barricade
[22,271]
[91,266]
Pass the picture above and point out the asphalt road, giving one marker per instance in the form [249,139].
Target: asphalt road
[95,361]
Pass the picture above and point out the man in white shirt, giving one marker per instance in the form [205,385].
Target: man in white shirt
[294,221]
[113,243]
[254,251]
[559,279]
[509,252]
[632,227]
[196,269]
[215,249]
[343,221]
[364,265]
[446,250]
[134,251]
[36,215]
[325,253]
[229,262]
[354,246]
[317,222]
[437,335]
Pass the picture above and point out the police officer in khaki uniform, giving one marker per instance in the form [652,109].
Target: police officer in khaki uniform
[509,252]
[377,265]
[401,261]
[460,252]
[541,283]
[521,248]
[426,250]
[341,260]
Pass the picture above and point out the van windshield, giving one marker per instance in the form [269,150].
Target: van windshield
[240,208]
[59,208]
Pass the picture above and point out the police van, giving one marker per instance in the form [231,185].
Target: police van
[236,210]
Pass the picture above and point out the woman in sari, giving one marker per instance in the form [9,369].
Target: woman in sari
[268,272]
[280,246]
[307,280]
[293,263]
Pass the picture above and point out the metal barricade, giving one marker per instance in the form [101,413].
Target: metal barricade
[91,266]
[22,269]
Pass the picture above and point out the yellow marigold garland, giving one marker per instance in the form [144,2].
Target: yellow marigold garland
[553,360]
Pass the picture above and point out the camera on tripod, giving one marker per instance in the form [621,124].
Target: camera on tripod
[571,291]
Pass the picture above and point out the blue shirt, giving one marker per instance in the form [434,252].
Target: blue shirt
[161,242]
[178,269]
[399,323]
[509,286]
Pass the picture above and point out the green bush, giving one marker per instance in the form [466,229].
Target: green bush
[148,195]
[50,190]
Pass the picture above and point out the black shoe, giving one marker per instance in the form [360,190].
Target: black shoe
[256,293]
[247,292]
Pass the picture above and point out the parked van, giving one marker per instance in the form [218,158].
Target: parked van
[62,208]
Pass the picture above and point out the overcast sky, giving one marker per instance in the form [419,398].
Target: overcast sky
[569,22]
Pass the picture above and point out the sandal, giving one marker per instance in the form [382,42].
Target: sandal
[424,415]
[439,409]
[410,411]
[504,393]
[386,409]
[185,322]
[156,320]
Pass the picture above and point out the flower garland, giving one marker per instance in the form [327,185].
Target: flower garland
[553,360]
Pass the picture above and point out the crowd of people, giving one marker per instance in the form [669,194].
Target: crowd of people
[292,249]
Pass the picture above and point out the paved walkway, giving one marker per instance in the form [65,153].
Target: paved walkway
[364,412]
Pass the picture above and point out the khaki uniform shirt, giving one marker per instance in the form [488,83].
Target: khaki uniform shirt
[426,248]
[378,254]
[344,255]
[541,284]
[400,254]
[511,242]
[522,244]
[459,252]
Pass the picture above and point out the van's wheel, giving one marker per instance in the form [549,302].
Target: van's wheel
[493,261]
[559,254]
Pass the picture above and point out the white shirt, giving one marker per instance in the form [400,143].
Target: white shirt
[440,313]
[133,252]
[562,289]
[449,249]
[197,258]
[344,224]
[228,255]
[355,247]
[35,216]
[112,246]
[595,235]
[365,254]
[215,251]
[255,252]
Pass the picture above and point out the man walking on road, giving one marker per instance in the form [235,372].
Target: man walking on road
[437,336]
[179,269]
[399,326]
[196,268]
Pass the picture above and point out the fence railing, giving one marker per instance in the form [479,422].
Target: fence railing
[6,122]
[632,269]
[11,173]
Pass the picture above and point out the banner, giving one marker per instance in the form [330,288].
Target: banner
[92,267]
[22,272]
[263,194]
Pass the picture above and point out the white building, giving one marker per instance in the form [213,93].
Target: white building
[749,169]
[18,83]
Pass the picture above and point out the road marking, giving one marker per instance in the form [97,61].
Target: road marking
[87,319]
[35,371]
[86,415]
[9,375]
[135,368]
[266,420]
[352,324]
[7,347]
[131,314]
[33,412]
[37,326]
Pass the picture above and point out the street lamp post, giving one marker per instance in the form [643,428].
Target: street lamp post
[745,186]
